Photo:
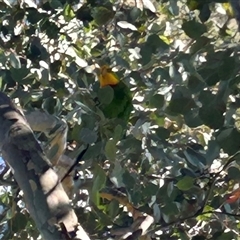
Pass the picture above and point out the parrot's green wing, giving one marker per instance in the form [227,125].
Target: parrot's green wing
[121,105]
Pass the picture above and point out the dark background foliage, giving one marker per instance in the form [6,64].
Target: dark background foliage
[181,61]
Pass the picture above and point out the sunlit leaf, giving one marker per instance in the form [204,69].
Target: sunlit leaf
[149,5]
[185,183]
[126,25]
[68,12]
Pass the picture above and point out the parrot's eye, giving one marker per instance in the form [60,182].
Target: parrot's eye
[109,70]
[105,69]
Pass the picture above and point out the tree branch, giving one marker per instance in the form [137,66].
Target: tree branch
[200,211]
[45,198]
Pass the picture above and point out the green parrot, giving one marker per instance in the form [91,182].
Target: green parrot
[121,105]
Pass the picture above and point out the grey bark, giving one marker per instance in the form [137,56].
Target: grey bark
[47,202]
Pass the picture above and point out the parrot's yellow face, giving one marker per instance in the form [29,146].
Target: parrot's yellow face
[107,77]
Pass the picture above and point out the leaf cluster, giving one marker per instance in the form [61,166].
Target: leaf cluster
[180,59]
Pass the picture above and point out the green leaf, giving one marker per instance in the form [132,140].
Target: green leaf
[170,190]
[213,151]
[105,95]
[200,44]
[156,212]
[118,131]
[116,175]
[14,61]
[193,4]
[156,28]
[51,29]
[160,73]
[135,13]
[194,29]
[206,97]
[94,151]
[195,158]
[216,202]
[212,78]
[88,136]
[126,25]
[192,118]
[19,15]
[228,69]
[173,7]
[150,189]
[234,173]
[102,15]
[136,197]
[229,140]
[162,133]
[34,16]
[169,209]
[98,184]
[153,44]
[211,116]
[185,183]
[113,208]
[55,4]
[156,101]
[19,222]
[149,5]
[18,74]
[52,105]
[68,12]
[181,105]
[156,43]
[110,150]
[204,13]
[128,180]
[146,53]
[226,236]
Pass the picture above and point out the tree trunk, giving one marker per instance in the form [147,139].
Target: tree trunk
[45,198]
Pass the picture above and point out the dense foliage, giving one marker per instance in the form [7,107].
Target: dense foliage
[180,60]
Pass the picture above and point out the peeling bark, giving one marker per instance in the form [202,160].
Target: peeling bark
[54,128]
[45,198]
